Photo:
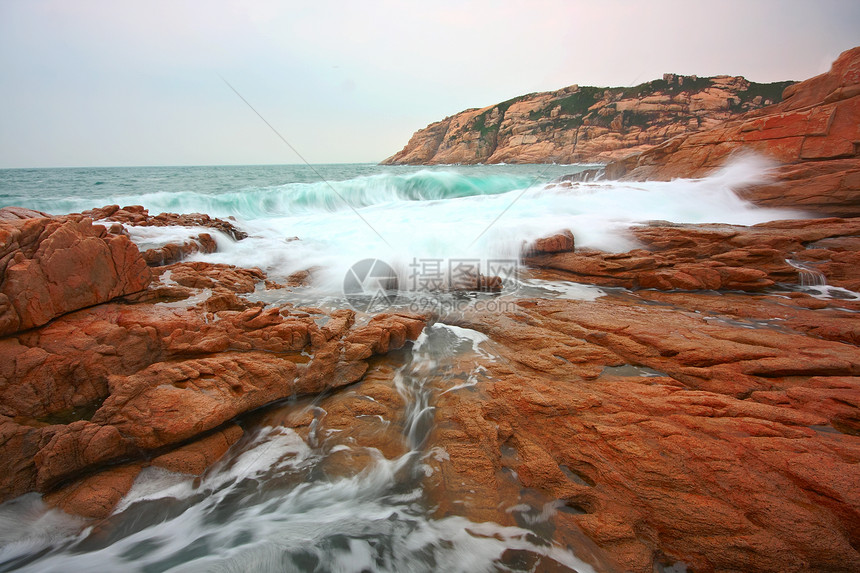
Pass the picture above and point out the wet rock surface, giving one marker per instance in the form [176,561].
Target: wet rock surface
[136,215]
[562,242]
[716,428]
[680,421]
[150,378]
[121,219]
[670,426]
[51,266]
[721,257]
[686,420]
[173,252]
[704,411]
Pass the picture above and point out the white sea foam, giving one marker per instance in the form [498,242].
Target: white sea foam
[486,226]
[153,237]
[232,522]
[476,338]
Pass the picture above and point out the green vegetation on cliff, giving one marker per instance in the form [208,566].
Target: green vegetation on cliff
[770,93]
[587,123]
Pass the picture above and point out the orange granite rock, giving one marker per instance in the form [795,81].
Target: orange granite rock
[814,132]
[49,267]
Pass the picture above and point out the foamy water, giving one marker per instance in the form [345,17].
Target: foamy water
[414,214]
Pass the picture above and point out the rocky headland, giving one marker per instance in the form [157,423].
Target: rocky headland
[704,411]
[584,124]
[813,135]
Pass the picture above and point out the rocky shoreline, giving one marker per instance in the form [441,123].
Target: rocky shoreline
[705,410]
[744,381]
[134,379]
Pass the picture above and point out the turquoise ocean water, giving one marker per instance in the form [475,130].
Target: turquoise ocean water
[399,214]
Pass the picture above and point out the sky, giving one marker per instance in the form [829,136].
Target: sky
[115,83]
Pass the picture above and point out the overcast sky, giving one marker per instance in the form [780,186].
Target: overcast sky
[109,83]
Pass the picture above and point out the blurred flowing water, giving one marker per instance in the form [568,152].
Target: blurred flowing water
[270,505]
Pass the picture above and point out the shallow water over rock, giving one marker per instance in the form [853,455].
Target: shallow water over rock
[339,491]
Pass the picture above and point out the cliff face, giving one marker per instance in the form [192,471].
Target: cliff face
[586,124]
[814,134]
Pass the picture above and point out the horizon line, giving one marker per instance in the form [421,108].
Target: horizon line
[191,165]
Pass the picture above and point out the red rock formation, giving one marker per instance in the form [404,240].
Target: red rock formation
[475,282]
[172,252]
[197,456]
[826,187]
[97,495]
[66,365]
[75,447]
[169,388]
[136,215]
[53,266]
[559,243]
[18,213]
[369,414]
[585,124]
[815,132]
[113,382]
[725,455]
[719,257]
[718,429]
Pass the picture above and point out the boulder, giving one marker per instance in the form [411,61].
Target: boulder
[95,496]
[52,266]
[562,242]
[174,252]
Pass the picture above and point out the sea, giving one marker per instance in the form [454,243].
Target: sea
[405,216]
[268,505]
